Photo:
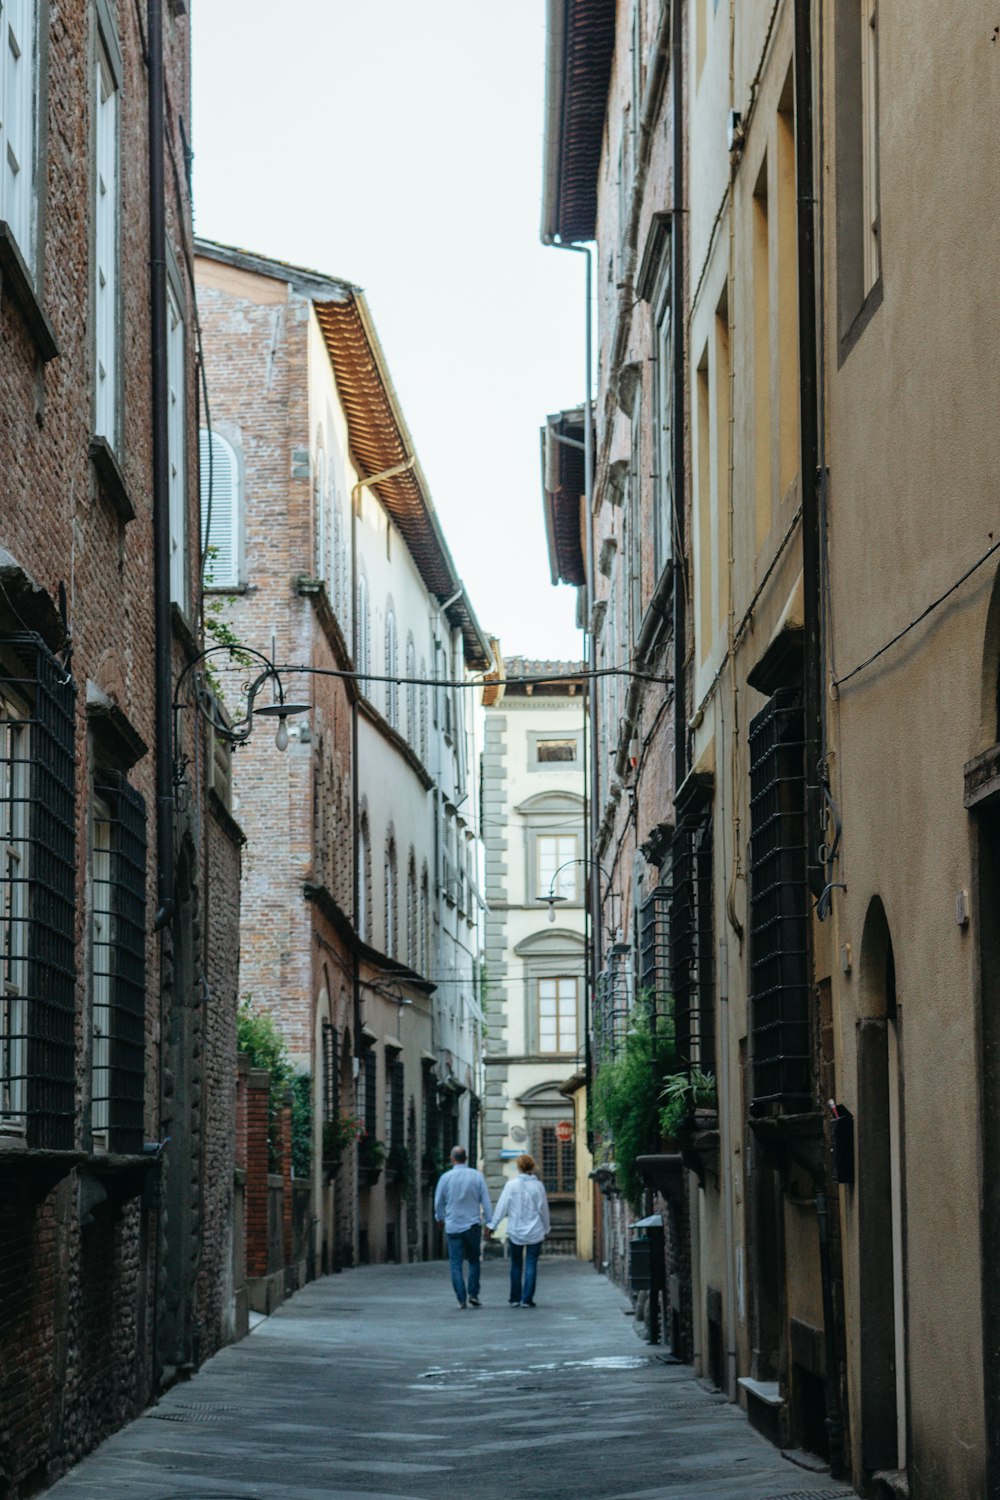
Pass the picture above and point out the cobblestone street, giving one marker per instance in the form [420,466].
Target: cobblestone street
[373,1383]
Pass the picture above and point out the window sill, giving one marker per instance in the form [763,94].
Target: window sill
[14,275]
[112,481]
[33,1170]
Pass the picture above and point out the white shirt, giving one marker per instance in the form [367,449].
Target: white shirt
[525,1205]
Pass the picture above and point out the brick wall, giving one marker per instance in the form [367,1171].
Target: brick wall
[77,1282]
[258,1087]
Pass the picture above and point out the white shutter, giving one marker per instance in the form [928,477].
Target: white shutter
[18,25]
[220,510]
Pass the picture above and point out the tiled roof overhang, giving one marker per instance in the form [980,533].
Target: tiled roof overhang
[563,486]
[378,435]
[379,440]
[580,44]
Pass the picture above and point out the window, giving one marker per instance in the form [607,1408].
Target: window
[425,922]
[18,27]
[107,200]
[117,964]
[369,1093]
[14,874]
[412,956]
[220,509]
[859,251]
[423,712]
[390,899]
[391,668]
[361,662]
[663,419]
[176,428]
[557,870]
[557,1015]
[319,515]
[556,1162]
[548,751]
[37,899]
[411,692]
[691,940]
[395,1104]
[331,1078]
[364,876]
[340,591]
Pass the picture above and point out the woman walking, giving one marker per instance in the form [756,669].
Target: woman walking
[524,1204]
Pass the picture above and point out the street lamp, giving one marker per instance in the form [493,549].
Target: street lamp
[193,687]
[552,897]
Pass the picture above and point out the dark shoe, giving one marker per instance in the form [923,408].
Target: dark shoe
[474,1302]
[514,1304]
[527,1304]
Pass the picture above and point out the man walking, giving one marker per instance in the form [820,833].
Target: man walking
[461,1198]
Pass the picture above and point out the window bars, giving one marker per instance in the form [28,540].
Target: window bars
[118,965]
[614,1002]
[369,1077]
[692,967]
[654,945]
[37,837]
[558,1162]
[779,975]
[331,1074]
[397,1105]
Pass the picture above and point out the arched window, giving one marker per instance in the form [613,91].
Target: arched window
[391,668]
[220,510]
[412,953]
[423,712]
[424,935]
[361,662]
[390,898]
[364,878]
[339,572]
[411,692]
[320,514]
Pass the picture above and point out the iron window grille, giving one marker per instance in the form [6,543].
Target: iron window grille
[614,1002]
[430,1120]
[691,941]
[654,945]
[779,902]
[396,1106]
[37,903]
[118,965]
[331,1073]
[558,1162]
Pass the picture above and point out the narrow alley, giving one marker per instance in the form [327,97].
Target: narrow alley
[374,1384]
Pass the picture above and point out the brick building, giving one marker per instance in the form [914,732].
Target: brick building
[120,869]
[360,910]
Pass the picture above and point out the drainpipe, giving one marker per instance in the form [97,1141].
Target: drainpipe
[677,326]
[358,874]
[592,825]
[812,688]
[161,473]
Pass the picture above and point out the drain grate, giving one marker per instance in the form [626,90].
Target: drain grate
[186,1416]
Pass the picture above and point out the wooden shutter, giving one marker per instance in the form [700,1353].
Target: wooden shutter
[220,510]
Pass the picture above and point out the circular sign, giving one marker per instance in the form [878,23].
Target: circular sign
[518,1133]
[564,1132]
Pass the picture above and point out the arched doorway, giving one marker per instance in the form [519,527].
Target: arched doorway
[881,1169]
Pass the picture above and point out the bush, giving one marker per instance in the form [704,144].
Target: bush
[259,1037]
[682,1094]
[625,1094]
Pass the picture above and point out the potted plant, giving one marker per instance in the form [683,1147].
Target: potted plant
[690,1102]
[371,1158]
[338,1134]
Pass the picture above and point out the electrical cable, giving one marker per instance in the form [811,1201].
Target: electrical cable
[838,682]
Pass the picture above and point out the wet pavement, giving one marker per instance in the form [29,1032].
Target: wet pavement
[374,1384]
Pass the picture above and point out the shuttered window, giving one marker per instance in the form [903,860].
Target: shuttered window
[176,427]
[220,510]
[106,237]
[18,27]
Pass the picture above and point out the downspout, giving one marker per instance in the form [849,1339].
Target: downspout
[679,455]
[812,679]
[439,883]
[362,484]
[592,825]
[161,474]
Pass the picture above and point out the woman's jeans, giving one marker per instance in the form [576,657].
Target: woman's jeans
[526,1256]
[465,1246]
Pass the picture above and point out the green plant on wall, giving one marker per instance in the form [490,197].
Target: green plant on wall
[681,1095]
[625,1096]
[260,1039]
[339,1134]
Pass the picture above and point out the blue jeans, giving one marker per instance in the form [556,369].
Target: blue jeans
[465,1246]
[526,1255]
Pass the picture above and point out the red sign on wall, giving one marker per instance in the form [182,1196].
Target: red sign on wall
[564,1131]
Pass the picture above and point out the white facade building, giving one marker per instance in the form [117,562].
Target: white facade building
[533,834]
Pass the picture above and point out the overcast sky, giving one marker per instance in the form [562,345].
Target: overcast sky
[398,145]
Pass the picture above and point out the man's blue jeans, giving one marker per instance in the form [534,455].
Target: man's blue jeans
[465,1246]
[526,1255]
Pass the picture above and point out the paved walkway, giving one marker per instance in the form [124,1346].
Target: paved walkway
[373,1384]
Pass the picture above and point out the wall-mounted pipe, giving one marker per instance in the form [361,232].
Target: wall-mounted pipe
[163,634]
[677,321]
